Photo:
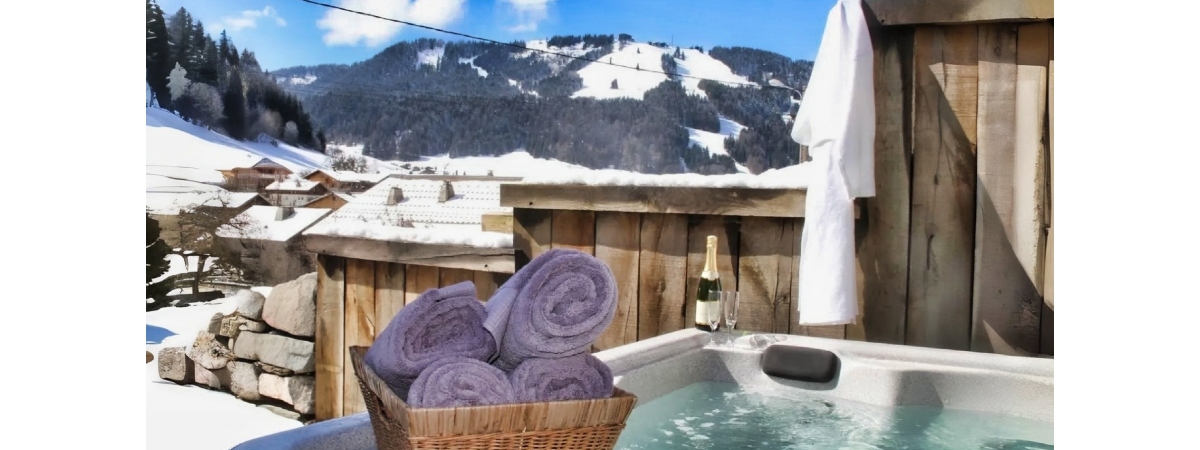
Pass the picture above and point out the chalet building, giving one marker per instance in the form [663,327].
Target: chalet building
[268,240]
[255,177]
[293,192]
[332,200]
[345,181]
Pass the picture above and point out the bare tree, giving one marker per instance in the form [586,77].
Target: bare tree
[197,227]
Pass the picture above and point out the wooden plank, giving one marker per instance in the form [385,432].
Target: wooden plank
[794,327]
[617,244]
[1048,274]
[727,231]
[360,327]
[1012,88]
[531,234]
[329,338]
[447,277]
[785,291]
[883,230]
[662,277]
[499,222]
[453,256]
[389,293]
[574,230]
[942,239]
[911,12]
[759,248]
[486,284]
[657,199]
[418,280]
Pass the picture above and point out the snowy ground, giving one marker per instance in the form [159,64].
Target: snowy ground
[192,417]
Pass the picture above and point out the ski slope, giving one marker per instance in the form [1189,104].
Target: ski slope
[598,76]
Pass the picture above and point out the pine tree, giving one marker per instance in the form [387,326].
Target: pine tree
[234,102]
[156,265]
[158,54]
[181,30]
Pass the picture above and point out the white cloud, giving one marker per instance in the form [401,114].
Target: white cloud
[528,12]
[249,19]
[344,28]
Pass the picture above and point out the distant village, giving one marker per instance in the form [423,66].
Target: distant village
[259,217]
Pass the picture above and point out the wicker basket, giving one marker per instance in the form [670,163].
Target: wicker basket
[566,425]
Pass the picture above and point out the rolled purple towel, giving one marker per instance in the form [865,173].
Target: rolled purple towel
[440,323]
[454,381]
[579,377]
[554,307]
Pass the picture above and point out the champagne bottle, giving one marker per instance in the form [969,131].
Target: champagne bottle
[709,281]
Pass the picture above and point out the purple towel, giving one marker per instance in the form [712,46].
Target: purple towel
[579,377]
[554,307]
[440,323]
[450,382]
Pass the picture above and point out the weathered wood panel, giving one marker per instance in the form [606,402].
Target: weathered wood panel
[785,290]
[453,256]
[663,275]
[794,327]
[617,245]
[360,327]
[389,293]
[531,233]
[499,222]
[656,199]
[1048,274]
[759,248]
[331,286]
[574,230]
[1007,304]
[448,277]
[942,245]
[882,251]
[486,284]
[908,12]
[419,279]
[727,231]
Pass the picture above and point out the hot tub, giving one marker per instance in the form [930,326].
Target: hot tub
[881,396]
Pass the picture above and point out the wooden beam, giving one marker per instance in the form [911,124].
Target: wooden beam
[531,234]
[389,293]
[360,327]
[451,256]
[950,12]
[1007,304]
[574,230]
[447,277]
[1048,273]
[329,338]
[486,284]
[499,222]
[419,279]
[662,277]
[656,199]
[882,250]
[617,245]
[942,239]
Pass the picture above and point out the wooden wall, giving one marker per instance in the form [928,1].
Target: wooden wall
[952,252]
[356,299]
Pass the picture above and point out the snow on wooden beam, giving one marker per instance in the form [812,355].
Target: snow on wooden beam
[912,12]
[658,199]
[499,260]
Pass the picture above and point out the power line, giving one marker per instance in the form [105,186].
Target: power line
[509,44]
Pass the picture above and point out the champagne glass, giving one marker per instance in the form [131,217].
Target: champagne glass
[730,299]
[713,309]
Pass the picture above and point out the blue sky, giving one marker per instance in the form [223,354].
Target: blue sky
[284,33]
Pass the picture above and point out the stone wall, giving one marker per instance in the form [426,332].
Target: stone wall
[262,353]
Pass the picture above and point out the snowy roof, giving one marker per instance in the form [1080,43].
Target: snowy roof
[261,223]
[267,163]
[456,221]
[230,199]
[292,184]
[345,176]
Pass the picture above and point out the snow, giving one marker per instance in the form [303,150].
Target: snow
[556,62]
[471,62]
[173,412]
[178,266]
[443,236]
[715,142]
[792,177]
[261,223]
[699,64]
[299,81]
[183,160]
[598,77]
[514,164]
[355,149]
[430,56]
[291,184]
